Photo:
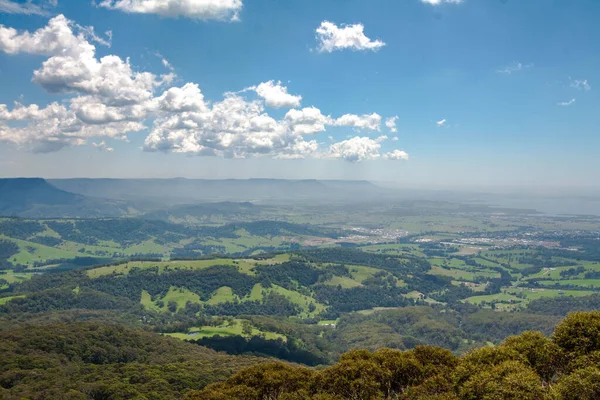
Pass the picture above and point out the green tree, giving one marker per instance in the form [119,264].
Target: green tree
[582,384]
[510,380]
[246,328]
[579,333]
[541,353]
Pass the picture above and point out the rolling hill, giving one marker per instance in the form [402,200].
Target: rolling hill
[35,197]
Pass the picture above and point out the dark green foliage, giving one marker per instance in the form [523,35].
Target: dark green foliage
[81,361]
[395,264]
[360,298]
[561,306]
[284,274]
[496,325]
[123,231]
[529,367]
[203,282]
[47,240]
[7,250]
[57,299]
[284,350]
[20,229]
[271,304]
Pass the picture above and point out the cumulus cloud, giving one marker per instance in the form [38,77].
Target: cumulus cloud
[331,37]
[307,121]
[368,121]
[224,10]
[441,123]
[515,67]
[21,112]
[395,139]
[359,149]
[580,84]
[276,95]
[102,146]
[110,99]
[396,155]
[56,38]
[356,149]
[566,103]
[107,98]
[390,123]
[27,8]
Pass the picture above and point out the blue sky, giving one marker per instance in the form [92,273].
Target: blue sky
[514,81]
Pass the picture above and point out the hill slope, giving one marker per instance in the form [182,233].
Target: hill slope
[99,361]
[35,197]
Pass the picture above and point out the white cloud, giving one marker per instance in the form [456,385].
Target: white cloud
[396,155]
[107,98]
[441,123]
[276,95]
[55,39]
[438,2]
[224,10]
[27,8]
[368,121]
[32,112]
[102,146]
[233,128]
[355,149]
[110,98]
[183,99]
[580,84]
[390,123]
[331,38]
[165,62]
[307,121]
[395,139]
[515,67]
[566,103]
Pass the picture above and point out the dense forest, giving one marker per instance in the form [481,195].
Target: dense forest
[106,361]
[530,366]
[101,361]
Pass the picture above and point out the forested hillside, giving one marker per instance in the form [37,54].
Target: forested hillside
[105,361]
[530,366]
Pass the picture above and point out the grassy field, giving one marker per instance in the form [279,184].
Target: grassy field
[585,283]
[223,295]
[180,296]
[521,296]
[395,249]
[4,300]
[146,301]
[33,252]
[301,300]
[227,329]
[244,265]
[15,277]
[362,273]
[343,281]
[462,274]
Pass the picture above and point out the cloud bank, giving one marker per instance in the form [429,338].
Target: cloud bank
[106,97]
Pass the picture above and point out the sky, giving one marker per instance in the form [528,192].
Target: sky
[427,93]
